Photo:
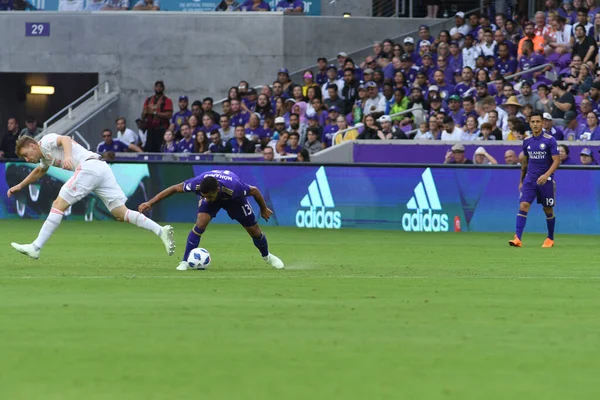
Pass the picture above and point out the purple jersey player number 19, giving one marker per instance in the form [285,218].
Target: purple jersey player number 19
[537,179]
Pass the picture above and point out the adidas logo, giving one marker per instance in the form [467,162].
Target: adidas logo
[316,204]
[424,202]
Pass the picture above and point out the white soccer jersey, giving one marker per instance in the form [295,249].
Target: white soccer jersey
[54,155]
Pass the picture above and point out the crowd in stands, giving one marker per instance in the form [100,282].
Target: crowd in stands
[460,86]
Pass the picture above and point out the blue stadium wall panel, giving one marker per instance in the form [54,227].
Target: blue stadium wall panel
[417,199]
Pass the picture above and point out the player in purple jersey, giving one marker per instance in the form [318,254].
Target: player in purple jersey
[221,190]
[537,179]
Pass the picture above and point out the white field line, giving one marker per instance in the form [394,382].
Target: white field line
[202,275]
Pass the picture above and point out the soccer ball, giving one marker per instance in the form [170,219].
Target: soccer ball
[199,258]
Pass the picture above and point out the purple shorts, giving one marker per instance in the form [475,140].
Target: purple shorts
[238,209]
[545,194]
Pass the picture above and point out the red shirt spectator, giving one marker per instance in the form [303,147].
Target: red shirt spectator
[158,109]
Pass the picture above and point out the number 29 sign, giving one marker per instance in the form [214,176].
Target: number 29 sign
[37,28]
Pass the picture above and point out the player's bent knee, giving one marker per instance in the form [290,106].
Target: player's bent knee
[524,206]
[60,204]
[254,230]
[202,221]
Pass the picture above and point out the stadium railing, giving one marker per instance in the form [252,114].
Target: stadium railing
[195,157]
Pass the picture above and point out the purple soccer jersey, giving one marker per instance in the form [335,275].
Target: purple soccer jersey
[180,117]
[232,196]
[240,118]
[328,133]
[527,63]
[506,67]
[185,146]
[539,151]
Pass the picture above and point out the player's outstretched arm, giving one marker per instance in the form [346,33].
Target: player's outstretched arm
[33,176]
[265,212]
[161,196]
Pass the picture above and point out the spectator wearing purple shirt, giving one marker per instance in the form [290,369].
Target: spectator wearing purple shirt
[186,144]
[573,128]
[208,125]
[180,116]
[169,145]
[255,132]
[530,60]
[592,130]
[331,127]
[456,111]
[294,146]
[290,6]
[505,63]
[445,89]
[255,5]
[455,60]
[410,71]
[238,117]
[108,144]
[216,145]
[321,76]
[6,5]
[240,143]
[467,82]
[424,35]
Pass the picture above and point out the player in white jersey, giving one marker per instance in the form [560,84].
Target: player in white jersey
[91,175]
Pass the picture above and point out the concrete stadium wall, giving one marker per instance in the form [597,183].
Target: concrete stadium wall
[198,54]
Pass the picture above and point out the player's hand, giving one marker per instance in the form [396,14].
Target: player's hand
[68,164]
[144,207]
[13,190]
[266,213]
[520,186]
[542,179]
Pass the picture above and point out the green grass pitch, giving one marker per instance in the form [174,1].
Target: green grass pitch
[356,315]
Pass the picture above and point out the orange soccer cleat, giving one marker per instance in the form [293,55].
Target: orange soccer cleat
[548,243]
[516,242]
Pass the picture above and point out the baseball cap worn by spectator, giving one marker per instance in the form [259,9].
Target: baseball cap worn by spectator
[586,152]
[481,84]
[370,84]
[368,71]
[460,14]
[526,82]
[342,54]
[384,118]
[331,66]
[183,98]
[409,40]
[458,148]
[570,116]
[405,57]
[480,151]
[425,43]
[454,97]
[433,88]
[279,120]
[547,116]
[283,71]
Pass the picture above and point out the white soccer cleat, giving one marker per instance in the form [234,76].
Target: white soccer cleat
[183,266]
[27,249]
[166,235]
[274,261]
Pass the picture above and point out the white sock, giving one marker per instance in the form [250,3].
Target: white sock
[140,220]
[52,222]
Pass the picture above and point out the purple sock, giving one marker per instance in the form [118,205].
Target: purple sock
[521,221]
[193,241]
[550,222]
[261,244]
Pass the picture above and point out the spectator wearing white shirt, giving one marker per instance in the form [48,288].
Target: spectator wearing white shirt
[451,132]
[115,5]
[423,133]
[147,5]
[71,5]
[563,42]
[482,157]
[332,78]
[488,46]
[125,134]
[375,103]
[228,132]
[142,131]
[470,53]
[461,29]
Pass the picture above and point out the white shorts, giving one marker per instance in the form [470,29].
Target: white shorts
[93,176]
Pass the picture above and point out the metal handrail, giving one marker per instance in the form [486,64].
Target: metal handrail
[530,70]
[69,108]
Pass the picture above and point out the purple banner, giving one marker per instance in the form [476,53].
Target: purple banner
[435,153]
